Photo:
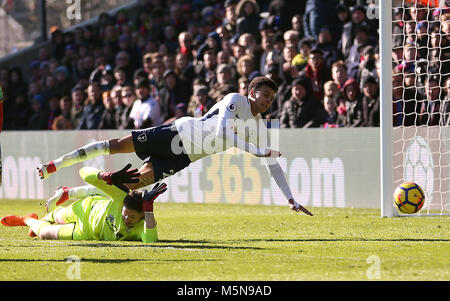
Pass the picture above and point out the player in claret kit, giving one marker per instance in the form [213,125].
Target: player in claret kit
[104,210]
[168,149]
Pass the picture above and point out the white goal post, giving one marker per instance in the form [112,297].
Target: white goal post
[385,17]
[414,143]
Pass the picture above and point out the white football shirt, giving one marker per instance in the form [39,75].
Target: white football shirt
[229,123]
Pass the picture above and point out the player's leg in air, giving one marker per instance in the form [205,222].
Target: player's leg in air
[154,143]
[87,152]
[99,148]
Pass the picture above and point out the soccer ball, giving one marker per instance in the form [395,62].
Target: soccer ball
[409,197]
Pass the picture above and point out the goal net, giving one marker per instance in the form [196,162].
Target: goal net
[419,131]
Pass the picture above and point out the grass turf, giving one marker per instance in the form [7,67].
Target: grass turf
[240,242]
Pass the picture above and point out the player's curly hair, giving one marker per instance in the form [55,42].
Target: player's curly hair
[260,81]
[133,200]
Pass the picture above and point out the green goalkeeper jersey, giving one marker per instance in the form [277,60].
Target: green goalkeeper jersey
[102,218]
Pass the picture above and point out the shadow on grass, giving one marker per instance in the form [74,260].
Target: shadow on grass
[167,244]
[96,260]
[346,240]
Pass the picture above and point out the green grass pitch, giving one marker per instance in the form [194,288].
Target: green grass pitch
[239,242]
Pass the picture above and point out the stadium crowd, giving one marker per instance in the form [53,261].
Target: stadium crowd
[178,58]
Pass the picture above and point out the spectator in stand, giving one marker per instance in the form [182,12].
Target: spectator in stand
[343,17]
[157,72]
[171,94]
[445,108]
[243,83]
[18,114]
[108,118]
[430,106]
[289,70]
[422,38]
[17,84]
[418,12]
[61,123]
[224,84]
[121,77]
[65,106]
[213,42]
[207,70]
[64,83]
[230,14]
[266,48]
[185,71]
[278,46]
[93,108]
[146,111]
[147,62]
[329,49]
[362,39]
[371,103]
[304,46]
[399,117]
[268,27]
[331,117]
[107,79]
[297,25]
[185,45]
[58,47]
[301,110]
[317,72]
[358,17]
[341,118]
[170,38]
[283,11]
[245,66]
[78,98]
[248,19]
[318,14]
[38,118]
[367,67]
[137,76]
[200,103]
[116,95]
[398,26]
[49,87]
[180,111]
[53,110]
[124,120]
[237,50]
[353,103]
[35,72]
[250,45]
[330,88]
[291,38]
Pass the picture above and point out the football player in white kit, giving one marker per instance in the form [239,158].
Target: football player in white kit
[169,148]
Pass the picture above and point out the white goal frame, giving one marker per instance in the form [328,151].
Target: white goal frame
[386,129]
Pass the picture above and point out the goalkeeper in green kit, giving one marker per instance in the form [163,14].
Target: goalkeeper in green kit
[103,210]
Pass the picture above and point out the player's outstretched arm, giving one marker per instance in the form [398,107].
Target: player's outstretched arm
[150,233]
[121,177]
[297,207]
[277,174]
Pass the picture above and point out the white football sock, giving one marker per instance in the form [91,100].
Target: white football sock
[84,153]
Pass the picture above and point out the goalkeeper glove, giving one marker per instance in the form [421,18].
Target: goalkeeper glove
[121,177]
[150,196]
